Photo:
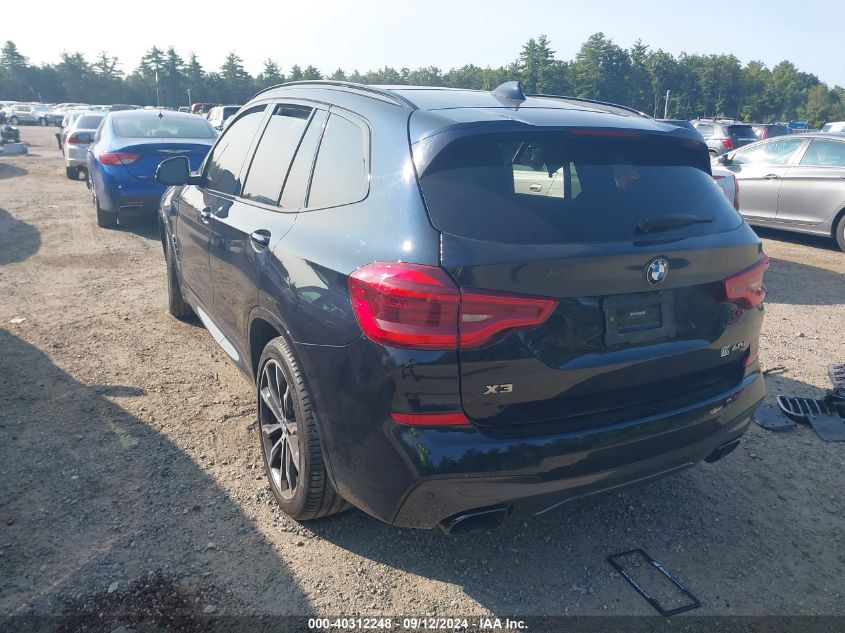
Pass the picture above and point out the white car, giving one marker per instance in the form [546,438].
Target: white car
[78,137]
[834,126]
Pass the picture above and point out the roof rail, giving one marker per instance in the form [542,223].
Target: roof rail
[349,87]
[596,101]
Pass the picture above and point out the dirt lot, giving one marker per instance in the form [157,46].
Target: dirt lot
[129,465]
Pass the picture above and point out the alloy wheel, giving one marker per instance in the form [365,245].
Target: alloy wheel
[279,432]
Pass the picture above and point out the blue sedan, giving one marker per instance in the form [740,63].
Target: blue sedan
[129,146]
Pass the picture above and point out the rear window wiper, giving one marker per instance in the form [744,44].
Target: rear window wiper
[670,221]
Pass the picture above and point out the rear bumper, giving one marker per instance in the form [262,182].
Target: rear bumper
[119,192]
[423,476]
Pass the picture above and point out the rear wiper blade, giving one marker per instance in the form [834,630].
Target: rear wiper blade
[670,221]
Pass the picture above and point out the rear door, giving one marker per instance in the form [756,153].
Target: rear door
[198,204]
[637,320]
[759,170]
[245,234]
[813,191]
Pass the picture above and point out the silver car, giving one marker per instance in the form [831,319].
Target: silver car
[795,182]
[79,136]
[22,114]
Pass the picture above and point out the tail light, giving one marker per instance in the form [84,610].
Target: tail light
[746,288]
[118,158]
[76,140]
[728,143]
[765,133]
[420,307]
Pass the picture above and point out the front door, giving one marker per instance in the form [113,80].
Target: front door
[760,169]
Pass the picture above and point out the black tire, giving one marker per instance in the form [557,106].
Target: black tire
[14,120]
[105,219]
[839,232]
[312,496]
[176,304]
[72,173]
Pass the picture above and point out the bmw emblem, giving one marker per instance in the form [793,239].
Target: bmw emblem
[657,270]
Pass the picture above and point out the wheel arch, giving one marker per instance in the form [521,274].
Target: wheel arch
[264,326]
[835,221]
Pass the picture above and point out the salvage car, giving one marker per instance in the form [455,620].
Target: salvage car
[438,342]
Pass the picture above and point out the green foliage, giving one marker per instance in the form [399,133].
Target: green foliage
[700,85]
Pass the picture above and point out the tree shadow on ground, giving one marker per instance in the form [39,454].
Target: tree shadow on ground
[18,240]
[8,171]
[91,495]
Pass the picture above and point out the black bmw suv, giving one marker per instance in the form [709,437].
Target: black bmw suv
[458,306]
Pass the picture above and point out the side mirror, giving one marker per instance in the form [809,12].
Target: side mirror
[85,137]
[174,172]
[724,159]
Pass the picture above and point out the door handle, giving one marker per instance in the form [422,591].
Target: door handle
[534,187]
[206,214]
[772,177]
[260,239]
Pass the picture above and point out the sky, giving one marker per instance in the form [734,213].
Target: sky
[369,34]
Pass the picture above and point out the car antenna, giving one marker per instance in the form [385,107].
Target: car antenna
[510,91]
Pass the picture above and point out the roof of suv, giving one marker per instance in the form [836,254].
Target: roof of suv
[439,108]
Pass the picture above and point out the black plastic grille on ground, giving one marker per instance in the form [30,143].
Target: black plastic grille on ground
[772,419]
[828,421]
[837,375]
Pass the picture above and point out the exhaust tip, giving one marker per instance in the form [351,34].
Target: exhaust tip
[722,451]
[483,519]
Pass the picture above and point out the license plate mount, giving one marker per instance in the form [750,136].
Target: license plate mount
[639,318]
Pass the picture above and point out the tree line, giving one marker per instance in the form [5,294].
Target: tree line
[700,85]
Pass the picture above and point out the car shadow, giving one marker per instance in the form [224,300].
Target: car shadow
[789,282]
[18,240]
[91,495]
[703,524]
[146,227]
[8,171]
[816,241]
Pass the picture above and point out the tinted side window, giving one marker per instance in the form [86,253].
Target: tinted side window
[275,152]
[773,153]
[296,185]
[340,173]
[822,153]
[224,164]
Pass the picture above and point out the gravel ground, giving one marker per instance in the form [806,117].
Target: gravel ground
[129,465]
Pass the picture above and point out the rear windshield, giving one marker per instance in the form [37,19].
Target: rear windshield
[556,189]
[89,122]
[742,131]
[155,126]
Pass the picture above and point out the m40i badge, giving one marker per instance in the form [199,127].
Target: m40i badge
[727,349]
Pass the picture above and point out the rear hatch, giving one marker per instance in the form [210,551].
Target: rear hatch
[741,134]
[630,241]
